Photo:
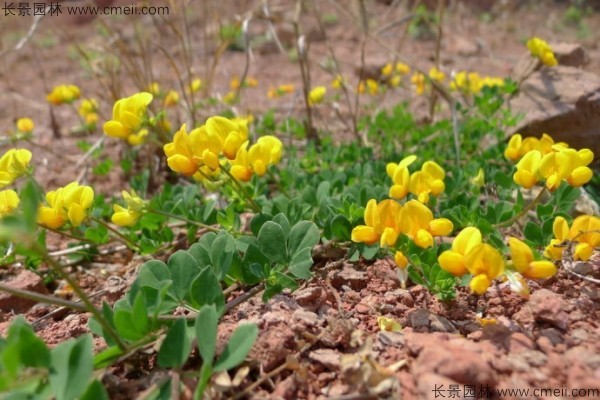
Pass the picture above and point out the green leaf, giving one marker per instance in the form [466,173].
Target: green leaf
[222,252]
[176,347]
[534,233]
[183,268]
[107,356]
[237,348]
[341,228]
[281,220]
[272,243]
[206,332]
[71,367]
[95,391]
[206,290]
[301,263]
[304,234]
[153,273]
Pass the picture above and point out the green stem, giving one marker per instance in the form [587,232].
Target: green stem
[60,271]
[65,234]
[524,211]
[241,190]
[42,298]
[186,220]
[117,234]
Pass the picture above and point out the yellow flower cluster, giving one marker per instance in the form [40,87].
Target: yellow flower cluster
[88,110]
[9,201]
[470,255]
[195,85]
[67,204]
[235,83]
[472,83]
[25,125]
[418,81]
[275,92]
[388,219]
[393,73]
[200,152]
[428,181]
[338,82]
[316,95]
[135,209]
[129,116]
[13,164]
[436,75]
[63,94]
[171,98]
[559,163]
[585,231]
[541,49]
[369,86]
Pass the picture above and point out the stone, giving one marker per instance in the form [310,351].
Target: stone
[570,54]
[25,280]
[329,358]
[309,297]
[350,277]
[550,307]
[563,102]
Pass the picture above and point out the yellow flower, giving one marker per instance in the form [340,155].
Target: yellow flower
[230,98]
[13,164]
[566,164]
[402,264]
[63,94]
[25,125]
[453,260]
[370,85]
[129,115]
[586,232]
[485,263]
[436,75]
[479,179]
[388,324]
[130,215]
[171,99]
[418,80]
[395,81]
[70,203]
[429,180]
[523,261]
[9,201]
[248,82]
[527,169]
[513,149]
[382,223]
[490,81]
[518,147]
[266,151]
[400,176]
[420,226]
[555,249]
[402,68]
[387,69]
[195,85]
[154,88]
[541,49]
[466,82]
[280,91]
[338,82]
[317,95]
[87,107]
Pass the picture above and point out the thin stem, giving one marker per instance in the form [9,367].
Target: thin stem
[186,220]
[117,234]
[524,211]
[241,189]
[42,298]
[65,234]
[60,271]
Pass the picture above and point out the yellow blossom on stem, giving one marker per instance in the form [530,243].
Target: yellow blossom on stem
[453,260]
[129,114]
[585,231]
[88,106]
[429,180]
[436,75]
[387,69]
[338,82]
[466,82]
[63,94]
[13,164]
[317,95]
[566,164]
[485,263]
[555,249]
[420,226]
[171,98]
[418,80]
[382,223]
[266,151]
[128,216]
[479,179]
[541,49]
[525,264]
[402,68]
[153,88]
[527,169]
[400,176]
[275,92]
[67,204]
[25,125]
[195,85]
[402,264]
[9,201]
